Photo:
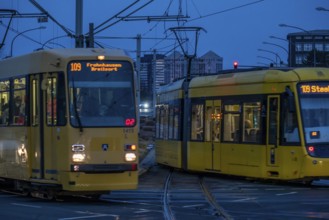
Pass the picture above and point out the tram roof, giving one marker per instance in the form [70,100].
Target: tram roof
[74,52]
[260,76]
[171,86]
[46,60]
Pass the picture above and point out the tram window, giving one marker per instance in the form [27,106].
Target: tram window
[51,101]
[176,128]
[165,122]
[4,102]
[163,128]
[55,101]
[176,123]
[18,104]
[290,126]
[171,123]
[157,124]
[273,123]
[197,122]
[217,117]
[251,119]
[35,102]
[208,124]
[231,123]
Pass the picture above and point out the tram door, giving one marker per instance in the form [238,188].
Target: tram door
[272,141]
[44,133]
[212,134]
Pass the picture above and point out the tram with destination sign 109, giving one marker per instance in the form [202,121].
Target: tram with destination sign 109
[68,122]
[265,123]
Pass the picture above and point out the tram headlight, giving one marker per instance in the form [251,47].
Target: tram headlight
[78,153]
[130,157]
[78,157]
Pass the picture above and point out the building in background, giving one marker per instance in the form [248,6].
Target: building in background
[150,64]
[307,46]
[176,66]
[157,69]
[209,64]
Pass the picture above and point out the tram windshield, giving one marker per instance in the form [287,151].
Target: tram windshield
[101,93]
[314,101]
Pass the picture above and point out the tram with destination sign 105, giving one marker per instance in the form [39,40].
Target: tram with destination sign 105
[265,123]
[68,122]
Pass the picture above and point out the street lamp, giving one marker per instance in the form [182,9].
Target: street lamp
[54,38]
[277,45]
[12,42]
[309,33]
[290,43]
[276,55]
[264,42]
[266,58]
[279,38]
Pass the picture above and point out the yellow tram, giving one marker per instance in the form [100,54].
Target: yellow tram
[68,122]
[265,123]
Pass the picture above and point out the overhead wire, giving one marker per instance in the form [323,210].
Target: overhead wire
[226,10]
[121,19]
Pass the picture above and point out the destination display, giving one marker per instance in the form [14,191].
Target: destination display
[314,88]
[95,66]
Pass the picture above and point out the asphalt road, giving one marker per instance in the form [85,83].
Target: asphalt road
[238,198]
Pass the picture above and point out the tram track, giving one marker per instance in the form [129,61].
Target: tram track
[196,197]
[212,201]
[167,212]
[173,194]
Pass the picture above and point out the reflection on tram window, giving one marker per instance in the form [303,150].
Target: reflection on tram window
[197,122]
[251,118]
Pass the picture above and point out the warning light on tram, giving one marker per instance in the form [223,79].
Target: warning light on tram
[235,64]
[311,150]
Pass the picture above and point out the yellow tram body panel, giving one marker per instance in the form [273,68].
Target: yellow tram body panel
[169,154]
[70,150]
[98,182]
[276,100]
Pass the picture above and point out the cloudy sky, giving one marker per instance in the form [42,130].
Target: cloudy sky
[234,29]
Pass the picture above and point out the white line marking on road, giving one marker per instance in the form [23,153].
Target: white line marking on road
[116,217]
[242,200]
[192,206]
[30,206]
[284,194]
[142,211]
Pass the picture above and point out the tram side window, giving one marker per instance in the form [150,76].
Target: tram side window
[157,117]
[4,102]
[252,122]
[232,122]
[176,120]
[157,124]
[163,125]
[55,101]
[273,111]
[197,122]
[290,126]
[165,121]
[176,123]
[171,123]
[18,105]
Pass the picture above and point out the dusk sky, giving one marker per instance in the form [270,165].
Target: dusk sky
[234,29]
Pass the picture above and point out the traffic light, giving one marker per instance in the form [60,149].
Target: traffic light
[235,64]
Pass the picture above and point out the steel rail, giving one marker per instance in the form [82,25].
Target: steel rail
[212,201]
[167,212]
